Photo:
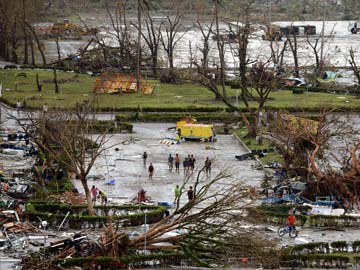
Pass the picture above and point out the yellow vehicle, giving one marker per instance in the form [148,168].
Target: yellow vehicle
[184,121]
[188,129]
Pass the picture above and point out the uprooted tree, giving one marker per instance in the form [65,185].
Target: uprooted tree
[67,139]
[203,231]
[308,149]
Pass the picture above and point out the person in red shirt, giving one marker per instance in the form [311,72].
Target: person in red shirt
[291,221]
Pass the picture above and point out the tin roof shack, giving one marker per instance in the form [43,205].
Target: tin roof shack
[111,83]
[298,30]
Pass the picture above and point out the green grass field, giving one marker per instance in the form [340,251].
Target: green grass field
[80,88]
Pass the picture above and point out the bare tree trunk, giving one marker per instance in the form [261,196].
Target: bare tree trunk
[31,44]
[354,66]
[221,50]
[14,41]
[58,48]
[37,42]
[171,59]
[26,54]
[138,63]
[26,48]
[56,82]
[171,32]
[39,86]
[294,49]
[154,64]
[88,196]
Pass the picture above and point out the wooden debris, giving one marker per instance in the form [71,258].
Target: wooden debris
[69,198]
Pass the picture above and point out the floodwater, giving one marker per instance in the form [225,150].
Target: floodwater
[125,165]
[123,162]
[337,43]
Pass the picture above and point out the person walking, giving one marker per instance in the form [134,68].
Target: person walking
[185,165]
[103,197]
[190,193]
[192,163]
[177,193]
[207,166]
[177,163]
[93,192]
[170,162]
[151,171]
[144,156]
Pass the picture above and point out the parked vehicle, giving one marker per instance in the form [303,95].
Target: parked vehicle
[189,129]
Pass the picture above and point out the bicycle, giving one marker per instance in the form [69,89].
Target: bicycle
[282,230]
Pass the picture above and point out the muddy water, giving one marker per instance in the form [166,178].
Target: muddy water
[337,44]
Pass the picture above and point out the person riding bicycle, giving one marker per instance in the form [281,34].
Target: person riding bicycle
[291,221]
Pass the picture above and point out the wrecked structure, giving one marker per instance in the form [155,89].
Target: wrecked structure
[65,30]
[276,32]
[111,83]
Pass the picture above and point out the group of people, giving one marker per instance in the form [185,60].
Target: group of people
[188,164]
[178,192]
[97,193]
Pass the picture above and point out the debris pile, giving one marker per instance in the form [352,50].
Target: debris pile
[69,197]
[78,251]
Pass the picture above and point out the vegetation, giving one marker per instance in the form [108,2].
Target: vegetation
[77,88]
[277,214]
[78,217]
[252,144]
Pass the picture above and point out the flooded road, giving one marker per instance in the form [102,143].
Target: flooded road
[126,166]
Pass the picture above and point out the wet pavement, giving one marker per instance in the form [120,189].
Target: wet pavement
[125,165]
[127,168]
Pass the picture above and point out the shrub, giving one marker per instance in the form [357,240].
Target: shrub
[168,76]
[235,85]
[298,91]
[340,246]
[317,247]
[173,117]
[55,213]
[356,246]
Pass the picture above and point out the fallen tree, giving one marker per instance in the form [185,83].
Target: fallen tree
[204,231]
[306,147]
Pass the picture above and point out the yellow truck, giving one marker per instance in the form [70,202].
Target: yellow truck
[188,129]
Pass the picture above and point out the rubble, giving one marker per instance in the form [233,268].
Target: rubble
[69,197]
